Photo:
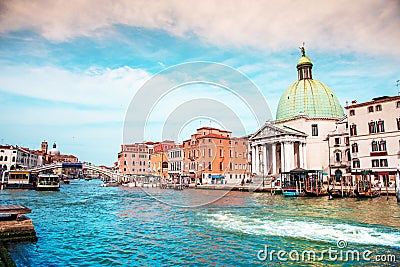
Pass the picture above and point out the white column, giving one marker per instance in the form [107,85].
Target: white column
[304,156]
[301,156]
[258,160]
[265,159]
[283,169]
[273,152]
[253,159]
[290,156]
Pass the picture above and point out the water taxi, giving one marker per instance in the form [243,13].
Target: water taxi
[18,180]
[301,183]
[48,182]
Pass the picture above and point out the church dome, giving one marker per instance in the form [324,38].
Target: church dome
[308,97]
[303,60]
[54,151]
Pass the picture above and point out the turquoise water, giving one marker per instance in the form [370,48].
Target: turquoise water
[87,225]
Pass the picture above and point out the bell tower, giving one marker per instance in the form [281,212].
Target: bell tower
[44,147]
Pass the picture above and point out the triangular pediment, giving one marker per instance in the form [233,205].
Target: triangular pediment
[268,130]
[271,130]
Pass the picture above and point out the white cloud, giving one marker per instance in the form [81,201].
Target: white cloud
[106,88]
[368,26]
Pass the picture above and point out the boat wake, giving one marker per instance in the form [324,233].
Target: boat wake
[310,230]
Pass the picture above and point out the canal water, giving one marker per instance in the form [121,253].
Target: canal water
[87,225]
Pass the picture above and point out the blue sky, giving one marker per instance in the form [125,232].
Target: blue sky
[69,69]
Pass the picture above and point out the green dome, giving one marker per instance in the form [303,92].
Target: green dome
[311,98]
[303,60]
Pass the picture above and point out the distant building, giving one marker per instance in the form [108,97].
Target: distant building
[374,135]
[212,156]
[159,158]
[135,159]
[175,162]
[54,155]
[14,157]
[339,151]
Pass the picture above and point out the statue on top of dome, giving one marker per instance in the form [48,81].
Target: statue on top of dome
[303,51]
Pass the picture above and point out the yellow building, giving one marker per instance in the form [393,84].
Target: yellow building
[159,164]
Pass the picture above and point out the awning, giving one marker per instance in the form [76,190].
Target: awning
[324,173]
[217,176]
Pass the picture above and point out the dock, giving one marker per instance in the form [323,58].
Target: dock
[15,226]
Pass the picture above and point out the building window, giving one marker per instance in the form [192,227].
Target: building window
[337,141]
[221,166]
[356,163]
[398,104]
[314,129]
[372,127]
[230,166]
[209,152]
[374,145]
[354,148]
[346,140]
[230,153]
[383,162]
[353,130]
[375,163]
[378,107]
[348,155]
[221,154]
[5,158]
[338,156]
[370,109]
[382,145]
[209,166]
[352,112]
[398,123]
[381,126]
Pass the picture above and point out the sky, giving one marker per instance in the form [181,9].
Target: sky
[70,70]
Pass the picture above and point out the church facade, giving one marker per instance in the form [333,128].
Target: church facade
[308,111]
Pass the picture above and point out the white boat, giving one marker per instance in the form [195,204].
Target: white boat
[131,184]
[111,183]
[48,182]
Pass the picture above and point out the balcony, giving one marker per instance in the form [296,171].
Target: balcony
[378,153]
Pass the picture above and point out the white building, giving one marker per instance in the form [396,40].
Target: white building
[175,161]
[14,157]
[307,112]
[374,128]
[339,151]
